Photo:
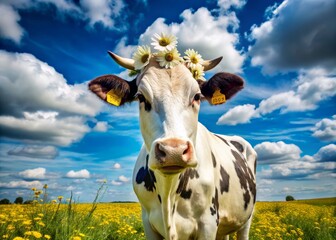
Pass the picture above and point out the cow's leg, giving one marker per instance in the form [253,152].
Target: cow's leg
[243,233]
[149,232]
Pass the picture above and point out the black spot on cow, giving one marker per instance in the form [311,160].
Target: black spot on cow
[246,178]
[147,176]
[237,145]
[224,181]
[215,206]
[173,211]
[159,197]
[222,139]
[214,162]
[183,184]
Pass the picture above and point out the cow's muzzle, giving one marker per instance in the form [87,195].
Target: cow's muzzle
[172,155]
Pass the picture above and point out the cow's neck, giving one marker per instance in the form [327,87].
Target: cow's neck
[167,192]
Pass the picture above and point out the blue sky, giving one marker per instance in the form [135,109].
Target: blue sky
[53,131]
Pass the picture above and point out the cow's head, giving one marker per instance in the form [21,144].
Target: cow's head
[169,102]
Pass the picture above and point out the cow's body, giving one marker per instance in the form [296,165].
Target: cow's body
[207,202]
[191,183]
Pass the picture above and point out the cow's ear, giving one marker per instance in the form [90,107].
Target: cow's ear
[114,89]
[221,87]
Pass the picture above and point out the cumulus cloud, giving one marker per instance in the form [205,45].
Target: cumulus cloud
[292,39]
[44,127]
[326,154]
[101,127]
[102,11]
[34,151]
[325,129]
[227,4]
[276,152]
[78,174]
[93,12]
[28,84]
[311,88]
[297,168]
[120,181]
[36,173]
[237,115]
[207,34]
[9,26]
[22,184]
[116,166]
[37,104]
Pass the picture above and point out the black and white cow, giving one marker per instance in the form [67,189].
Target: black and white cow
[191,183]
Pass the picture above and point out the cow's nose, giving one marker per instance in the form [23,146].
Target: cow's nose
[173,151]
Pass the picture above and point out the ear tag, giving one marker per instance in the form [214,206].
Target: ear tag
[113,98]
[218,98]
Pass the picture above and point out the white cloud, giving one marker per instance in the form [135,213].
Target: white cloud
[294,167]
[311,88]
[9,26]
[101,127]
[207,34]
[237,115]
[326,154]
[28,84]
[120,181]
[276,152]
[123,179]
[227,4]
[291,39]
[34,151]
[116,166]
[325,129]
[22,184]
[79,174]
[37,104]
[116,183]
[36,173]
[102,11]
[44,127]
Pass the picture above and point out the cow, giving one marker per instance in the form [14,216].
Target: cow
[191,183]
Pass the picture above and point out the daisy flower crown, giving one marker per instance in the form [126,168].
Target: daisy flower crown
[168,56]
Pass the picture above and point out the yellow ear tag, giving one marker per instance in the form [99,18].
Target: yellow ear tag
[113,98]
[218,98]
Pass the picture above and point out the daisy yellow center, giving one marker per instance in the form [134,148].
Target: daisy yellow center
[144,58]
[164,42]
[169,57]
[194,60]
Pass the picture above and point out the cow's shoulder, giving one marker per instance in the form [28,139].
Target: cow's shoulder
[144,179]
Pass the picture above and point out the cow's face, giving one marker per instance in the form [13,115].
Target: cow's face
[169,103]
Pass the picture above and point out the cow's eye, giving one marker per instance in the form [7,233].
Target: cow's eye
[197,97]
[141,98]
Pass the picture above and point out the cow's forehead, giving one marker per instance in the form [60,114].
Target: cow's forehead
[175,79]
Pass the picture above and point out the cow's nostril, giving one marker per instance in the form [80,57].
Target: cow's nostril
[159,151]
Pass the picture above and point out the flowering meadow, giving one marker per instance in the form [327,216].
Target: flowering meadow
[64,219]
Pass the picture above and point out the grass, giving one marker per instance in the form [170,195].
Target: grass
[60,219]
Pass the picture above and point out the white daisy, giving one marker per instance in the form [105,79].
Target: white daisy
[141,57]
[198,72]
[168,59]
[193,58]
[164,42]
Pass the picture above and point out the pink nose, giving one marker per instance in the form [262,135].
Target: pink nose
[173,151]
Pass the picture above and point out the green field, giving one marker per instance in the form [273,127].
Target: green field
[303,219]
